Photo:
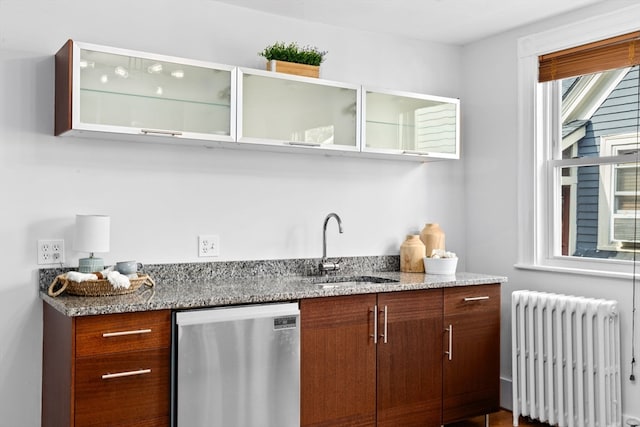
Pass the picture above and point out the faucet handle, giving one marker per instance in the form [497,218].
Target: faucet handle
[326,266]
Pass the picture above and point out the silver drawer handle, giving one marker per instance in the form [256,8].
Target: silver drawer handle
[384,335]
[126,374]
[449,352]
[161,132]
[304,144]
[123,333]
[418,153]
[475,299]
[375,324]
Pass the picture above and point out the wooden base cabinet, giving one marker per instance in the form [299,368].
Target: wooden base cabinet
[472,342]
[337,361]
[106,370]
[409,358]
[372,359]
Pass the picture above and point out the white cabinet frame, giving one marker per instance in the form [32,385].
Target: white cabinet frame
[409,154]
[78,127]
[289,143]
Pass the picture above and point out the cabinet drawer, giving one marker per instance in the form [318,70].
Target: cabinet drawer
[114,333]
[122,388]
[471,299]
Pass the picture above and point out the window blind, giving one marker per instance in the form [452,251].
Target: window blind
[615,52]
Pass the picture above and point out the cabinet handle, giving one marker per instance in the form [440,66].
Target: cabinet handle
[475,298]
[384,335]
[304,144]
[375,324]
[450,351]
[161,132]
[122,333]
[419,153]
[126,374]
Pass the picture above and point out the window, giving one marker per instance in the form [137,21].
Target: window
[595,163]
[578,121]
[618,198]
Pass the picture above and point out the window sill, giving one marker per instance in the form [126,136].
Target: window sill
[578,270]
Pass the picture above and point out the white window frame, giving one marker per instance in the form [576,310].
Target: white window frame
[609,146]
[572,182]
[537,200]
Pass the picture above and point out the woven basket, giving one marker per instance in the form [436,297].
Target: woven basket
[96,288]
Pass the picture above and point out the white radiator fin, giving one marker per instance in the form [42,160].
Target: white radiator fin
[566,360]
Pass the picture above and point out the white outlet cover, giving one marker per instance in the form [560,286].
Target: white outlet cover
[208,245]
[50,251]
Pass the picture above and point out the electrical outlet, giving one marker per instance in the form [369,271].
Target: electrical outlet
[208,245]
[50,251]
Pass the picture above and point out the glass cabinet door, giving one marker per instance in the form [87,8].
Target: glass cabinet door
[411,124]
[279,109]
[121,91]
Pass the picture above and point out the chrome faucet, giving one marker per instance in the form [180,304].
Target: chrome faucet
[326,265]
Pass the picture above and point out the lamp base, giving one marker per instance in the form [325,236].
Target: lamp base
[90,265]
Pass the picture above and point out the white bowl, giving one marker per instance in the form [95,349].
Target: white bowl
[440,265]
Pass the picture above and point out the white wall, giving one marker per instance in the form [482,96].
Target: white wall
[160,197]
[490,128]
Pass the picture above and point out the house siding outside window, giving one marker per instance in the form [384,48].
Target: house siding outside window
[617,115]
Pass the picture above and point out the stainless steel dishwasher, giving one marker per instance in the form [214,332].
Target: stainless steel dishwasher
[237,366]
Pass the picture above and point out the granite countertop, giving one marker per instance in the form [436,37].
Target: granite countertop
[252,282]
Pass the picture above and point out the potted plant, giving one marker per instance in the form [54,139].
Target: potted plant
[293,59]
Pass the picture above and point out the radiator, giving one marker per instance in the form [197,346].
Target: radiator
[565,360]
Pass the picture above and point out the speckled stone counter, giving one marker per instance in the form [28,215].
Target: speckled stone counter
[186,286]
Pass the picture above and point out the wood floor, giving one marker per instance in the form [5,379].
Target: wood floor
[498,419]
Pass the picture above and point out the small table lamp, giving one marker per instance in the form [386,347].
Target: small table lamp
[92,235]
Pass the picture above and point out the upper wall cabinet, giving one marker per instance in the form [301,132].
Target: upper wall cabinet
[103,89]
[285,110]
[411,125]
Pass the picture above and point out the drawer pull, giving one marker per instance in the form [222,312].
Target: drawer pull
[161,132]
[126,374]
[475,298]
[375,324]
[123,333]
[449,352]
[304,144]
[384,335]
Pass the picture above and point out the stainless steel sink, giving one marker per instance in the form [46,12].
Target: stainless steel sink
[327,282]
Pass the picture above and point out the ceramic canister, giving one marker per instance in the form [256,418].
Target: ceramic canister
[433,238]
[412,252]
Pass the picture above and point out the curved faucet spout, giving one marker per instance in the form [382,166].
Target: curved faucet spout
[324,265]
[324,232]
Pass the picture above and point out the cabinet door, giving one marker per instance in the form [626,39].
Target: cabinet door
[410,124]
[338,361]
[105,89]
[472,365]
[281,109]
[121,388]
[410,358]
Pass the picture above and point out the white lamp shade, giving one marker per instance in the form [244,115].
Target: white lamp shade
[92,233]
